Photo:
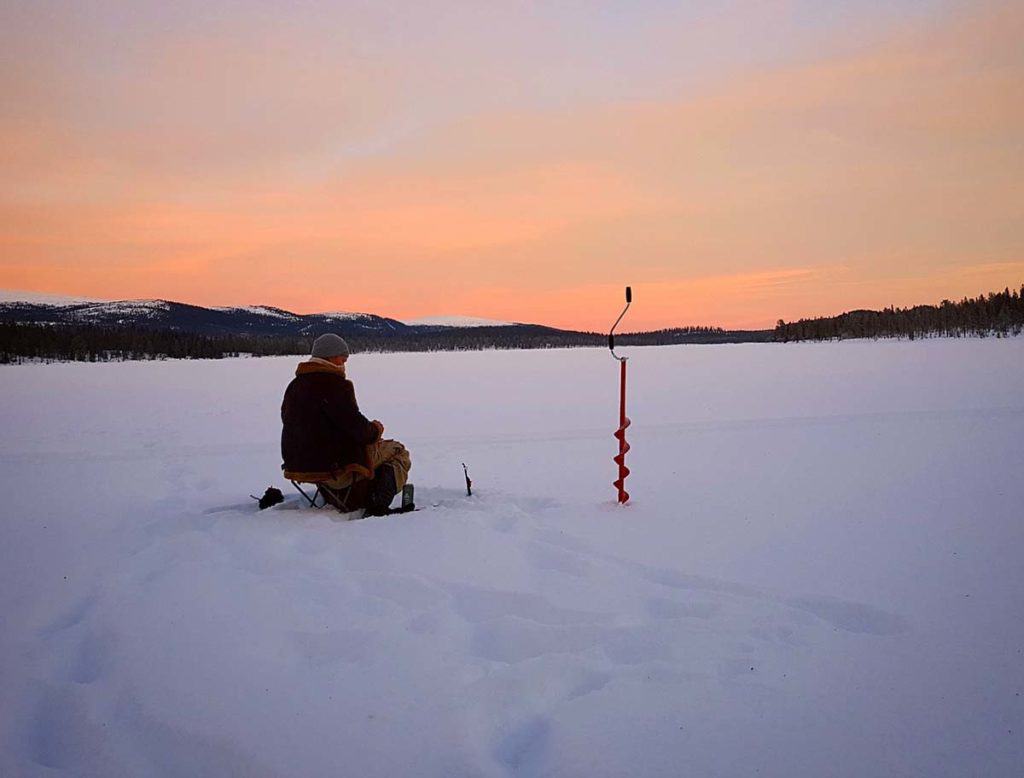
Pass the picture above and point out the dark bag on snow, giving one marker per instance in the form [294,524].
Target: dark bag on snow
[270,497]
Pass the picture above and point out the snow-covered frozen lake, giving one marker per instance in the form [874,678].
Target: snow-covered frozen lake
[821,572]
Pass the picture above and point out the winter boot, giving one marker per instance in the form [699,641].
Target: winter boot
[383,489]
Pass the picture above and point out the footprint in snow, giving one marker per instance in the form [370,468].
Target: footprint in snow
[661,608]
[477,604]
[852,616]
[405,590]
[92,657]
[330,646]
[545,556]
[523,745]
[59,729]
[845,615]
[70,618]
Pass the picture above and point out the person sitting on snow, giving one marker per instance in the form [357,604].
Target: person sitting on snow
[326,440]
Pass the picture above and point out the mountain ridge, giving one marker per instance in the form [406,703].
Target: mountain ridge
[137,329]
[254,319]
[171,315]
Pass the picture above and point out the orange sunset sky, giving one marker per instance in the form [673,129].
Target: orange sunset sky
[734,162]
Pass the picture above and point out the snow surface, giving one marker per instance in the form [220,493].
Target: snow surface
[456,321]
[820,572]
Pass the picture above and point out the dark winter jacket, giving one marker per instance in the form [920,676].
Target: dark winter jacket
[324,434]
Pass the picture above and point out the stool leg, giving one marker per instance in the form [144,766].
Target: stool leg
[312,502]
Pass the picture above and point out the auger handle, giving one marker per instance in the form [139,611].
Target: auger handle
[611,333]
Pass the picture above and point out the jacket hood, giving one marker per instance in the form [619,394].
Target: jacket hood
[317,365]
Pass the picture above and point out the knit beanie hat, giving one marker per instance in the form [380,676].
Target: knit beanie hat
[329,345]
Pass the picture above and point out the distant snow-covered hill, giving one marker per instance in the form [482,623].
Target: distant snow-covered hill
[457,321]
[42,298]
[167,314]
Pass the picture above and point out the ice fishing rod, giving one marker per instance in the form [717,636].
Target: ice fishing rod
[624,422]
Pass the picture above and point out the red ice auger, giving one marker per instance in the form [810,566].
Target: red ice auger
[620,433]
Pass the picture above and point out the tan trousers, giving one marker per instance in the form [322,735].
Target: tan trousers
[382,452]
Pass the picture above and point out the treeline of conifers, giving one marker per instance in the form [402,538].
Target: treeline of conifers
[997,314]
[21,342]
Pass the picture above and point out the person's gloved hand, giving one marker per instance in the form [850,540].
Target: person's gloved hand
[380,429]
